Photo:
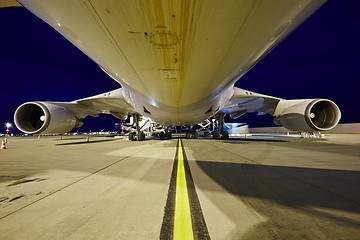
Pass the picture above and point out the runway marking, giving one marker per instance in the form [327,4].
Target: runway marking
[183,218]
[182,222]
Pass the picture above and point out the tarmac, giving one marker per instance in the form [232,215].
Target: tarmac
[262,187]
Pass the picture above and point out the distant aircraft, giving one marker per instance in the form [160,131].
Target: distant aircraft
[176,61]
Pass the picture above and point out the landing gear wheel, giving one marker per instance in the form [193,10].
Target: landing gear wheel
[136,137]
[216,135]
[225,135]
[162,136]
[132,136]
[221,135]
[141,136]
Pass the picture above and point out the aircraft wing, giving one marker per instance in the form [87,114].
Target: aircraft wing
[296,114]
[112,102]
[54,117]
[244,101]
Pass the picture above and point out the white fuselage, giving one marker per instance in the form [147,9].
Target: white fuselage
[177,61]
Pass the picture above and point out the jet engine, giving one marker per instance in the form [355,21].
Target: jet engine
[307,115]
[45,117]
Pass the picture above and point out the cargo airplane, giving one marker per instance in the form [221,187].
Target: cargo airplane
[176,62]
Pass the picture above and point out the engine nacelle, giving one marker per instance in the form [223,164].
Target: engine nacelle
[307,115]
[45,117]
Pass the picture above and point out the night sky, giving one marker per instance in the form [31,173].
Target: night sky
[319,60]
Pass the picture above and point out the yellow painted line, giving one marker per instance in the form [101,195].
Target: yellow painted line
[182,221]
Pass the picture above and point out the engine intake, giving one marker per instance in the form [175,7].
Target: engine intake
[45,117]
[307,115]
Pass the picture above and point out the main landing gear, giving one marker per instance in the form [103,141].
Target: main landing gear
[218,132]
[191,133]
[138,135]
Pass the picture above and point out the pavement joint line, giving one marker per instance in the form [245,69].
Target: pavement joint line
[70,184]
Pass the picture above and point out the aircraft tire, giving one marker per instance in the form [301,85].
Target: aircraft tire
[162,136]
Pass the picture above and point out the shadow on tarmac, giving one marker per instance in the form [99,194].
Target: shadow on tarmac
[307,144]
[246,140]
[86,142]
[294,187]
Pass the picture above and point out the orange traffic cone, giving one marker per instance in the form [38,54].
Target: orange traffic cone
[3,146]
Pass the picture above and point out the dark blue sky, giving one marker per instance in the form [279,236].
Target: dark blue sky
[318,60]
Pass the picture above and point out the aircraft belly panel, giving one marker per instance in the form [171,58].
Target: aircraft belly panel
[175,52]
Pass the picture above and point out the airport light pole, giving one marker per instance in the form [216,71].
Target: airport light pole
[8,126]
